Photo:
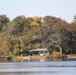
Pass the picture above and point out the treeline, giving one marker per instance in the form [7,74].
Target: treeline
[23,34]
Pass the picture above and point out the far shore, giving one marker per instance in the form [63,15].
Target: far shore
[42,57]
[38,57]
[71,56]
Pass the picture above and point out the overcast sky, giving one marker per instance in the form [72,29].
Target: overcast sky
[64,9]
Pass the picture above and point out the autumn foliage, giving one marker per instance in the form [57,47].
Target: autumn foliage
[23,34]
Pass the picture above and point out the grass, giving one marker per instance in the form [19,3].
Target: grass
[71,56]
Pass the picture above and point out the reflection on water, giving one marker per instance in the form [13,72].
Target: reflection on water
[40,73]
[34,67]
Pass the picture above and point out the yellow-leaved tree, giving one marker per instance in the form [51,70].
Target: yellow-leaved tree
[35,21]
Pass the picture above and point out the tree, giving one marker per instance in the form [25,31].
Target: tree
[35,21]
[60,29]
[3,21]
[19,22]
[49,20]
[72,38]
[74,20]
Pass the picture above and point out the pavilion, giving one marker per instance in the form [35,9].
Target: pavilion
[42,51]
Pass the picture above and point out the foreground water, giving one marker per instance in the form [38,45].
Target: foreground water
[38,68]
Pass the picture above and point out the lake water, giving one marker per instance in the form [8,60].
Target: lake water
[67,67]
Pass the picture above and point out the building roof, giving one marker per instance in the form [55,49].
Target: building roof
[39,49]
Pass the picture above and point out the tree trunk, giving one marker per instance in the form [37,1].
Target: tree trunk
[60,50]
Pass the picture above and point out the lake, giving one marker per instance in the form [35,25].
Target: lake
[42,67]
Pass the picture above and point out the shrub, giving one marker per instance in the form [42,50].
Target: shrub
[56,54]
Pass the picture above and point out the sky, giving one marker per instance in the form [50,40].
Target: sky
[64,9]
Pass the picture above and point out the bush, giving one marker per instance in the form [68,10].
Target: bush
[56,54]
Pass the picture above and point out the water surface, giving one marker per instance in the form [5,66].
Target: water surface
[48,67]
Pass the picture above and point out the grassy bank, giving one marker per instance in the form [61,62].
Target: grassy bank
[37,57]
[72,56]
[40,57]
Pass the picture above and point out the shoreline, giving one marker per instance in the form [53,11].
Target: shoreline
[71,56]
[43,57]
[37,57]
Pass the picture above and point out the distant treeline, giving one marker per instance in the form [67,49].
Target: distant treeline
[25,33]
